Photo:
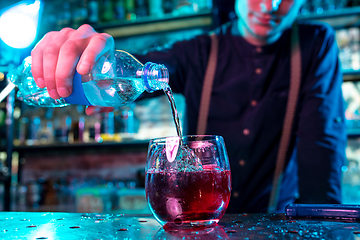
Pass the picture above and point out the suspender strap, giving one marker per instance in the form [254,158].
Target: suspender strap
[207,86]
[295,80]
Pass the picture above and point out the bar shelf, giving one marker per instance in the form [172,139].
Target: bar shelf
[340,18]
[148,25]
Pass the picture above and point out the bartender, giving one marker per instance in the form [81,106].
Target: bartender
[248,99]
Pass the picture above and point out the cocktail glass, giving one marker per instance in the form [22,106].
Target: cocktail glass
[188,180]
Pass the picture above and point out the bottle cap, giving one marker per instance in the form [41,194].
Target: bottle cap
[77,96]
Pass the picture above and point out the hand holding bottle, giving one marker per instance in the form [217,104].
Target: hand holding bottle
[104,77]
[58,54]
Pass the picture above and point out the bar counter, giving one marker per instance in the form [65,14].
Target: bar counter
[40,225]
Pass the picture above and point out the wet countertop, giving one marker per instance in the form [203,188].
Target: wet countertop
[39,225]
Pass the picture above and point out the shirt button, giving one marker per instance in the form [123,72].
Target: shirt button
[235,194]
[258,71]
[242,162]
[258,50]
[246,131]
[253,103]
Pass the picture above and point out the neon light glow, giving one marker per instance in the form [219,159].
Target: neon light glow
[18,24]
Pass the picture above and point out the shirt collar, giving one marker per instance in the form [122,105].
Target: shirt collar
[247,47]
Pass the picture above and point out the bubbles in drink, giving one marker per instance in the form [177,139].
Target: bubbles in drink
[187,160]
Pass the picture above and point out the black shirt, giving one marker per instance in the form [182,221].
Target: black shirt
[248,105]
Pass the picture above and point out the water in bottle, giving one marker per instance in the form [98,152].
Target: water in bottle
[116,79]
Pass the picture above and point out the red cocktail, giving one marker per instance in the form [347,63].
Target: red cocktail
[193,188]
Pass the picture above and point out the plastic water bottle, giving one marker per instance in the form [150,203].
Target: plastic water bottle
[116,79]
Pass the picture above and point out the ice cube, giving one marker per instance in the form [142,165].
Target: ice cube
[187,161]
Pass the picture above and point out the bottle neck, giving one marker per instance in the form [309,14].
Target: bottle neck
[155,76]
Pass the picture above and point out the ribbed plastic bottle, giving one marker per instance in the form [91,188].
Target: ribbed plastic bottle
[116,79]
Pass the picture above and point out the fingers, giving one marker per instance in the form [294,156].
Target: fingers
[44,59]
[50,60]
[69,55]
[98,45]
[55,57]
[92,110]
[37,59]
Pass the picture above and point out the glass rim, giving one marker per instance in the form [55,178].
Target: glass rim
[186,137]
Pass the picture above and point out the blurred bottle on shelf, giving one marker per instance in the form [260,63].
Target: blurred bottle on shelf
[45,133]
[184,7]
[79,13]
[64,18]
[204,4]
[129,122]
[168,6]
[49,18]
[348,41]
[106,11]
[343,3]
[35,126]
[329,5]
[33,194]
[321,6]
[130,10]
[306,8]
[141,8]
[62,128]
[155,8]
[76,133]
[108,131]
[2,124]
[22,130]
[57,125]
[93,11]
[318,6]
[120,9]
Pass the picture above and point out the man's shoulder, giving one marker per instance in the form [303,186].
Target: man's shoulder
[311,28]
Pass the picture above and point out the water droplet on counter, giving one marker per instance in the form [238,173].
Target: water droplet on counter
[178,221]
[238,221]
